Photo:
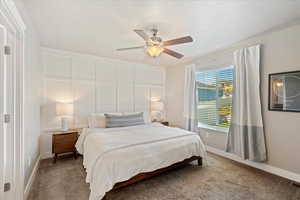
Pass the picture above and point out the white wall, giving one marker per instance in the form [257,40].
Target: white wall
[32,102]
[32,93]
[280,53]
[94,84]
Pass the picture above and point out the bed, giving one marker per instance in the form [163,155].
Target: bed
[116,157]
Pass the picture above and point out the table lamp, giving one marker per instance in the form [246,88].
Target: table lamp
[64,110]
[157,107]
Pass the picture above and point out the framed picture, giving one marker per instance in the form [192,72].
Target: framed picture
[284,91]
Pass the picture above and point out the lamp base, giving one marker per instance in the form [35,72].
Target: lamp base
[157,116]
[64,124]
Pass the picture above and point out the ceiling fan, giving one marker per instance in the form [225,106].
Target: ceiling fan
[155,45]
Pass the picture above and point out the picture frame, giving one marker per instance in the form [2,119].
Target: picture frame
[284,91]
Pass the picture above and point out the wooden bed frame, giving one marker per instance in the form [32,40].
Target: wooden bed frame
[147,175]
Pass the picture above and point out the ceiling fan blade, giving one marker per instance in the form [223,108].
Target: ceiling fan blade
[172,53]
[142,34]
[130,48]
[178,41]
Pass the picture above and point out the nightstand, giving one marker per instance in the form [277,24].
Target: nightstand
[64,142]
[165,123]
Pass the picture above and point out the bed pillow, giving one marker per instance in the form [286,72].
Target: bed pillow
[98,120]
[113,121]
[146,115]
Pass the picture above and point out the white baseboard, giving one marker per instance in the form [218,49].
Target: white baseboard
[31,178]
[262,166]
[46,155]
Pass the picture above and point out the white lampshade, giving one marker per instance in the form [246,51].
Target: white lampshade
[64,109]
[157,106]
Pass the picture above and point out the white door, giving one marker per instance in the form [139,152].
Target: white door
[6,122]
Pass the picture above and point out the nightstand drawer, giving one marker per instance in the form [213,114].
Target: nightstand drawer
[63,147]
[63,143]
[65,137]
[165,123]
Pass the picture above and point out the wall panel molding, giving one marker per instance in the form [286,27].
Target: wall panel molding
[96,84]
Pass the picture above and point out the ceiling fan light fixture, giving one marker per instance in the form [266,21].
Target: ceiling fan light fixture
[154,50]
[156,46]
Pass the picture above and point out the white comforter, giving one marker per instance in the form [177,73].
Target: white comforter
[114,155]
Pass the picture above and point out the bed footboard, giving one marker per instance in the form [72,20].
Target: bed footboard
[147,175]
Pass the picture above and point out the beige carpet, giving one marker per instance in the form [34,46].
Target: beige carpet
[221,180]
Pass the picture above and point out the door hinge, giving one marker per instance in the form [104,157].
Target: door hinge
[6,118]
[7,50]
[6,187]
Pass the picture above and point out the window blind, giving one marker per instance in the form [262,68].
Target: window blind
[214,91]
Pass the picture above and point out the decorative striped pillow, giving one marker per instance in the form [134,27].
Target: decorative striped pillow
[113,121]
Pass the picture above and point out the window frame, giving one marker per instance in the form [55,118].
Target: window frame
[212,127]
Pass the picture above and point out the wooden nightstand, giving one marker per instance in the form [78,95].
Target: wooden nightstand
[64,142]
[165,123]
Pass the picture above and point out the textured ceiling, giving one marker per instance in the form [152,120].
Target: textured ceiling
[99,27]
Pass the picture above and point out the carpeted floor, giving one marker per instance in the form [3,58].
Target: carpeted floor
[221,180]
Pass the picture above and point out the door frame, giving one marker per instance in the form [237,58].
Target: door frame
[2,109]
[16,25]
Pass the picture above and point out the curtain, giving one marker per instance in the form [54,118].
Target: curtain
[246,134]
[190,98]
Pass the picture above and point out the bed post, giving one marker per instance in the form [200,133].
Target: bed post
[200,161]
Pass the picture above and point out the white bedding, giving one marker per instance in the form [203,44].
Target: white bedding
[114,155]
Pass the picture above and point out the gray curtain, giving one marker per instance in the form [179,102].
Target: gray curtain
[190,98]
[246,134]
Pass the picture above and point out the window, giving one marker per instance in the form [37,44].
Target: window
[214,89]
